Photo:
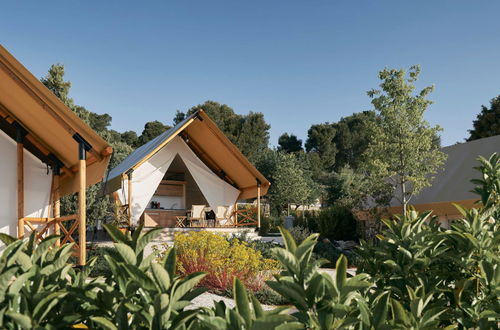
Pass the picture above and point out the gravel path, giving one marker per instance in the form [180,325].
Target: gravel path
[207,300]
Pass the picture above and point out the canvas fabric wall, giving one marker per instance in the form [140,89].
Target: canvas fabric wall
[147,177]
[37,186]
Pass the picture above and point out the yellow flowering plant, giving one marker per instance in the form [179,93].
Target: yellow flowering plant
[222,260]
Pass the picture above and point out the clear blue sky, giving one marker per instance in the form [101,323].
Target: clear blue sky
[298,62]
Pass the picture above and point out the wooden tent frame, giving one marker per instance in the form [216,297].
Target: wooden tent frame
[25,139]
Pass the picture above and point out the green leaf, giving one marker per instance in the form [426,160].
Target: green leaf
[184,285]
[22,320]
[340,272]
[116,234]
[103,322]
[161,277]
[126,253]
[241,301]
[380,310]
[169,262]
[290,244]
[7,239]
[146,238]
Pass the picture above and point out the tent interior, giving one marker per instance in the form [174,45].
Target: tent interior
[174,196]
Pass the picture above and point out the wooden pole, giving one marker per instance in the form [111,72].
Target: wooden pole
[57,205]
[20,133]
[20,190]
[82,206]
[258,204]
[129,199]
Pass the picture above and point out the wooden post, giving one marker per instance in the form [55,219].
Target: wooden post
[129,199]
[57,203]
[20,133]
[83,147]
[258,204]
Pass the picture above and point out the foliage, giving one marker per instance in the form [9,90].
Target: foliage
[488,186]
[338,223]
[221,259]
[307,219]
[487,122]
[250,133]
[289,143]
[320,141]
[403,146]
[151,130]
[352,138]
[291,180]
[299,233]
[419,276]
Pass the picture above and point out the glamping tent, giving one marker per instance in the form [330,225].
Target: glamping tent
[452,184]
[47,152]
[193,163]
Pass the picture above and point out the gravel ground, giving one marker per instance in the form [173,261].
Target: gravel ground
[207,300]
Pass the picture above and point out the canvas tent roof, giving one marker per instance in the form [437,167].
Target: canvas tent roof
[49,123]
[452,183]
[210,145]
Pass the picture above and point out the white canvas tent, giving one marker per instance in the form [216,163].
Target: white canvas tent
[37,193]
[452,184]
[148,175]
[221,172]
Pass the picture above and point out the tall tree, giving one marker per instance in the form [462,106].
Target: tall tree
[320,141]
[403,148]
[351,139]
[151,130]
[250,133]
[129,137]
[487,122]
[291,180]
[98,205]
[253,136]
[289,143]
[54,81]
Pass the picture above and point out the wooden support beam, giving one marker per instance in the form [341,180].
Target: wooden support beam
[20,181]
[129,199]
[82,206]
[57,205]
[258,204]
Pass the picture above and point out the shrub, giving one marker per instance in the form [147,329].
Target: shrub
[307,219]
[337,223]
[101,267]
[299,234]
[222,260]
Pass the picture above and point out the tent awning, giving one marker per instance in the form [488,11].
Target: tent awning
[210,145]
[50,125]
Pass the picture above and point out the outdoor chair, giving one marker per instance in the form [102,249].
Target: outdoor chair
[221,214]
[197,215]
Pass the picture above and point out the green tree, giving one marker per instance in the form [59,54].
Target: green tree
[320,141]
[99,205]
[289,143]
[151,130]
[351,139]
[291,180]
[54,81]
[403,148]
[253,136]
[487,122]
[129,137]
[250,133]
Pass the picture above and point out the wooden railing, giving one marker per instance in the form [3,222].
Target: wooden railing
[56,224]
[245,217]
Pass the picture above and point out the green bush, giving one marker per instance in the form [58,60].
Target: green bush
[307,219]
[299,234]
[337,223]
[419,276]
[101,267]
